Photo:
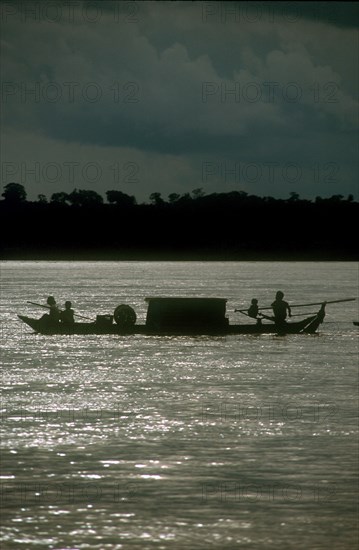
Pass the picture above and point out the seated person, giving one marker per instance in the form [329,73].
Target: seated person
[67,316]
[253,309]
[53,316]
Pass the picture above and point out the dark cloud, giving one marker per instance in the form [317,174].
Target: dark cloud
[340,14]
[232,82]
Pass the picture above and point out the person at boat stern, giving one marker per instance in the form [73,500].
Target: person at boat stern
[67,315]
[280,308]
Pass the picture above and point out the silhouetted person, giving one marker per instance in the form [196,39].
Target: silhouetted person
[253,309]
[67,316]
[53,316]
[280,308]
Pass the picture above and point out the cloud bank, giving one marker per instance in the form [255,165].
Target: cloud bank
[169,97]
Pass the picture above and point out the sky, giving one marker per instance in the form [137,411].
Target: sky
[169,97]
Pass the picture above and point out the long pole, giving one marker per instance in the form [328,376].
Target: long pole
[48,307]
[39,305]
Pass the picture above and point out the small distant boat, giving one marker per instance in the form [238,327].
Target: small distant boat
[176,316]
[356,323]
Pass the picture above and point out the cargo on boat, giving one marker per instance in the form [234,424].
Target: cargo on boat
[177,316]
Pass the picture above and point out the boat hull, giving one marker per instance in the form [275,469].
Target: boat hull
[308,325]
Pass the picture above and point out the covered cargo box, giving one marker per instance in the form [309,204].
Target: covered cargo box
[186,313]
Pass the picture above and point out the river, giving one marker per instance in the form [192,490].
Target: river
[193,443]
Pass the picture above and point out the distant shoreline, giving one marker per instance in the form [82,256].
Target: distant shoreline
[222,227]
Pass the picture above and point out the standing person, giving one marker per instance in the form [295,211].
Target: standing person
[67,316]
[280,308]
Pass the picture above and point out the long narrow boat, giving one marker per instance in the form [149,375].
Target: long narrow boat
[176,316]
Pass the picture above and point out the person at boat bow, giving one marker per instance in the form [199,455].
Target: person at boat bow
[280,308]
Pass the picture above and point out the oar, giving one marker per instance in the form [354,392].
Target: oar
[316,303]
[244,312]
[305,313]
[48,307]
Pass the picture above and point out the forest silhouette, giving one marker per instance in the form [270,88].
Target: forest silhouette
[193,226]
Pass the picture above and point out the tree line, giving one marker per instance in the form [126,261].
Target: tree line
[15,193]
[229,226]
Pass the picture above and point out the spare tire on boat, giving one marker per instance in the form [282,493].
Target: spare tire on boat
[125,316]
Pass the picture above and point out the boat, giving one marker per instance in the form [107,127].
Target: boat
[176,316]
[356,323]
